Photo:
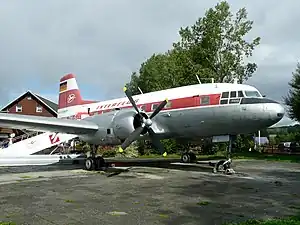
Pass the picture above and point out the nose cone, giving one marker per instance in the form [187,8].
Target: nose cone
[277,112]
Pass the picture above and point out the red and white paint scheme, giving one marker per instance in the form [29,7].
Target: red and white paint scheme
[189,112]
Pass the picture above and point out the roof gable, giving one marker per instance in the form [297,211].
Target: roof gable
[46,102]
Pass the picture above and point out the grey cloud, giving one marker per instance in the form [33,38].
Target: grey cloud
[102,42]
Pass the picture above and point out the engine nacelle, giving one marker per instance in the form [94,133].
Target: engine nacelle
[114,127]
[125,122]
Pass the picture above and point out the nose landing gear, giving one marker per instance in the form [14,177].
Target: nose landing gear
[225,165]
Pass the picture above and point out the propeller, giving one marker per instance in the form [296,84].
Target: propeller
[146,126]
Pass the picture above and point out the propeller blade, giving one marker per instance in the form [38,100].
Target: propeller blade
[129,96]
[131,138]
[159,108]
[156,142]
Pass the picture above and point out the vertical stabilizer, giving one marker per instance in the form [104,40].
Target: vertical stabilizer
[69,94]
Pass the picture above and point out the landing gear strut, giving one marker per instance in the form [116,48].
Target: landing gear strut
[93,162]
[225,165]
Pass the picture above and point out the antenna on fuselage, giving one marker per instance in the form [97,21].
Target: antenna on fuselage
[235,80]
[140,90]
[198,79]
[212,80]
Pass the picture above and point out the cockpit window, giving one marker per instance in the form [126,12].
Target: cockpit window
[232,97]
[240,94]
[232,94]
[225,95]
[252,94]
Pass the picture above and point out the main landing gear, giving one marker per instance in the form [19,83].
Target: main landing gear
[188,157]
[94,162]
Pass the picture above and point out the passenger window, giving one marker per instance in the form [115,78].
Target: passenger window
[143,107]
[224,101]
[205,100]
[234,101]
[233,94]
[240,94]
[154,106]
[225,94]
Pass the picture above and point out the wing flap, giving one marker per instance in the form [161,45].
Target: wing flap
[44,124]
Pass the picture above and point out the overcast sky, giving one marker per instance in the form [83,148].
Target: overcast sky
[102,42]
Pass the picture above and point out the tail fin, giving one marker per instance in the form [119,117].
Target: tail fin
[69,94]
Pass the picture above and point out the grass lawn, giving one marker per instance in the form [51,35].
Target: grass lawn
[264,156]
[246,155]
[282,221]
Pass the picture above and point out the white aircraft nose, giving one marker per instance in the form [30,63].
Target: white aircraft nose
[277,111]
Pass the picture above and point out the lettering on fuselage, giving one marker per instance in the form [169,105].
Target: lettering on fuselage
[115,104]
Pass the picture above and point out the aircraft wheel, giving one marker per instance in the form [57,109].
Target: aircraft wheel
[100,162]
[89,164]
[192,156]
[220,166]
[185,158]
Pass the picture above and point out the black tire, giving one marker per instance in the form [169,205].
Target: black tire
[219,165]
[89,164]
[185,158]
[192,156]
[99,162]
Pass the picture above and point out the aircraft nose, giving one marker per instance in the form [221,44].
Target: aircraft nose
[277,111]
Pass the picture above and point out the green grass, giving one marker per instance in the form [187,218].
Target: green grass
[177,156]
[263,156]
[246,155]
[203,203]
[280,221]
[7,223]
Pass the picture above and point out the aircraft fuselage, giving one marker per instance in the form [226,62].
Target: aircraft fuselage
[203,110]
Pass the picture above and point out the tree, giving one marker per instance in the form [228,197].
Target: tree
[214,47]
[292,100]
[216,44]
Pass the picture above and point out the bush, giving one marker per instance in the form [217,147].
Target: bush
[130,152]
[106,151]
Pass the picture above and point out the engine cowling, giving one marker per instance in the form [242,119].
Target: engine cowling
[122,122]
[125,122]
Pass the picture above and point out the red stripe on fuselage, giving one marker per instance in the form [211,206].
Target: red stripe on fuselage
[181,103]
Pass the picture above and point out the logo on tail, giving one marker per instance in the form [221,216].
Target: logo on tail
[69,94]
[71,98]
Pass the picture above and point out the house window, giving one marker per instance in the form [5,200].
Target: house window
[29,98]
[204,100]
[18,108]
[39,108]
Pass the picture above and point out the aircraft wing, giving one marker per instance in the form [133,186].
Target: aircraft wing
[44,124]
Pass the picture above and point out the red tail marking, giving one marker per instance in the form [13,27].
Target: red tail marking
[54,138]
[71,96]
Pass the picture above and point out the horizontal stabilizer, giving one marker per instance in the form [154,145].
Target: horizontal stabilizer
[44,124]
